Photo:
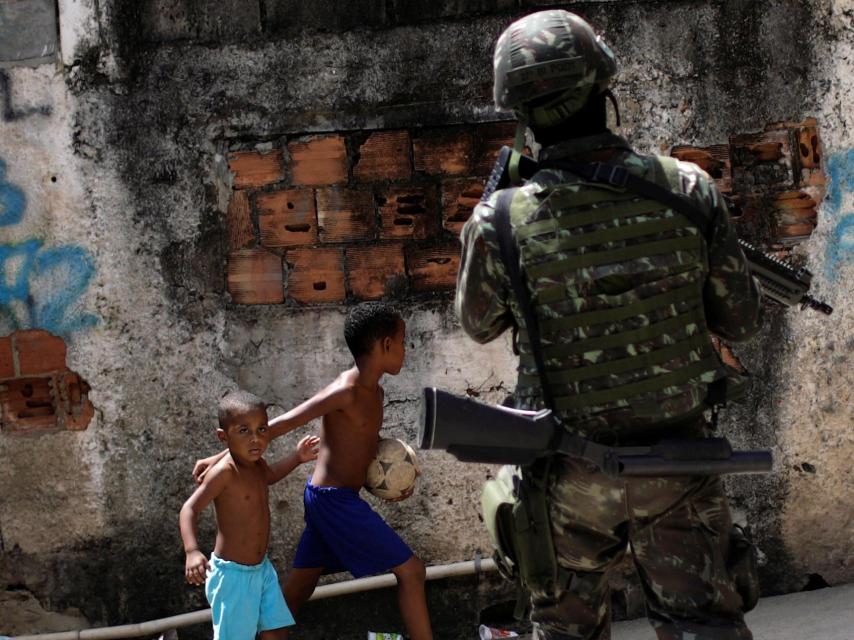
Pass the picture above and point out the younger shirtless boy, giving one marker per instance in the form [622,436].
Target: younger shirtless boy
[242,586]
[341,531]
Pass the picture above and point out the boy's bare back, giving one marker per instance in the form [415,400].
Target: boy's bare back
[349,435]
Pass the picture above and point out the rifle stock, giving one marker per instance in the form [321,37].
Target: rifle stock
[473,431]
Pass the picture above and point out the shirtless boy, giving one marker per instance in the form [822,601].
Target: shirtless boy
[342,532]
[242,586]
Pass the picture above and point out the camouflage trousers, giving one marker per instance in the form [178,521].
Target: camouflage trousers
[677,531]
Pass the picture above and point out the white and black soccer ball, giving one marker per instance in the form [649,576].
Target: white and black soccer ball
[393,471]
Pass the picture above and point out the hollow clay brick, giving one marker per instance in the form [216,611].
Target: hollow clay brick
[446,152]
[241,235]
[459,198]
[384,156]
[38,352]
[255,277]
[255,169]
[76,409]
[488,140]
[409,213]
[375,271]
[316,275]
[28,405]
[434,268]
[7,362]
[320,160]
[344,215]
[287,218]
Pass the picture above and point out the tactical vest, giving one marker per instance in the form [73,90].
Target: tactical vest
[617,286]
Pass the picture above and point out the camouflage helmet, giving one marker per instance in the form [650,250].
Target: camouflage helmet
[546,66]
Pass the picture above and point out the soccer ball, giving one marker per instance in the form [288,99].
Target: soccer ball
[392,473]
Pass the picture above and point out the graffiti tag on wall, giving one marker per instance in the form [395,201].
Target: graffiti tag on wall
[840,244]
[40,286]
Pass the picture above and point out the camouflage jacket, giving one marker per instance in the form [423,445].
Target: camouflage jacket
[486,306]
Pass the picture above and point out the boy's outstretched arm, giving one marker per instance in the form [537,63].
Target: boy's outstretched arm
[335,397]
[305,451]
[196,565]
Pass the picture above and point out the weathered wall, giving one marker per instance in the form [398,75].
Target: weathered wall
[115,191]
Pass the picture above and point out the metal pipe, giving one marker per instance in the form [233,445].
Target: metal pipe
[154,627]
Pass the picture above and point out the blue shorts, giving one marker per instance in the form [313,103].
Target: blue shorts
[245,599]
[343,533]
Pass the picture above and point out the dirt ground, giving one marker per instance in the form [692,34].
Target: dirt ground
[21,613]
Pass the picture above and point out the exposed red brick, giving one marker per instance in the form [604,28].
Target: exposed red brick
[254,169]
[713,160]
[76,409]
[766,146]
[459,198]
[287,218]
[38,352]
[7,361]
[241,235]
[28,405]
[375,271]
[409,212]
[809,150]
[729,358]
[384,156]
[319,160]
[488,140]
[448,152]
[255,277]
[345,214]
[316,275]
[795,213]
[433,269]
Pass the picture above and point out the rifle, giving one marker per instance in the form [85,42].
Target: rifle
[473,431]
[780,281]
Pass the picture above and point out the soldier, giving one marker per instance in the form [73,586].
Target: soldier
[627,293]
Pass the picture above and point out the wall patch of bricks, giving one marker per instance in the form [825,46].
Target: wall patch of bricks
[347,216]
[38,393]
[775,178]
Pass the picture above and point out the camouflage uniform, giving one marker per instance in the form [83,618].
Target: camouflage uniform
[677,529]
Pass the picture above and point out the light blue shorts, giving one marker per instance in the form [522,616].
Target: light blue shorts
[245,599]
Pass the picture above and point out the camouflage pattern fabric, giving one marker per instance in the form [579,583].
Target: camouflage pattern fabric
[677,531]
[725,298]
[676,528]
[553,55]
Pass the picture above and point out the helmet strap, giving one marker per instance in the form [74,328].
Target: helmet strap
[613,100]
[518,147]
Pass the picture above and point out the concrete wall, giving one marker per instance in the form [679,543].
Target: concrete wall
[118,185]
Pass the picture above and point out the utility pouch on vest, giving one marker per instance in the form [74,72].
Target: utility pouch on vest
[743,567]
[532,535]
[516,512]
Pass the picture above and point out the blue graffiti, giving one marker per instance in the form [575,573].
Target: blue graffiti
[40,287]
[840,244]
[12,201]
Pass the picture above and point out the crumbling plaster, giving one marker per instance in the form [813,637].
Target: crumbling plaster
[140,119]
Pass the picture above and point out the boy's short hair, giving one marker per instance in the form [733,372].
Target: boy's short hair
[236,403]
[368,322]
